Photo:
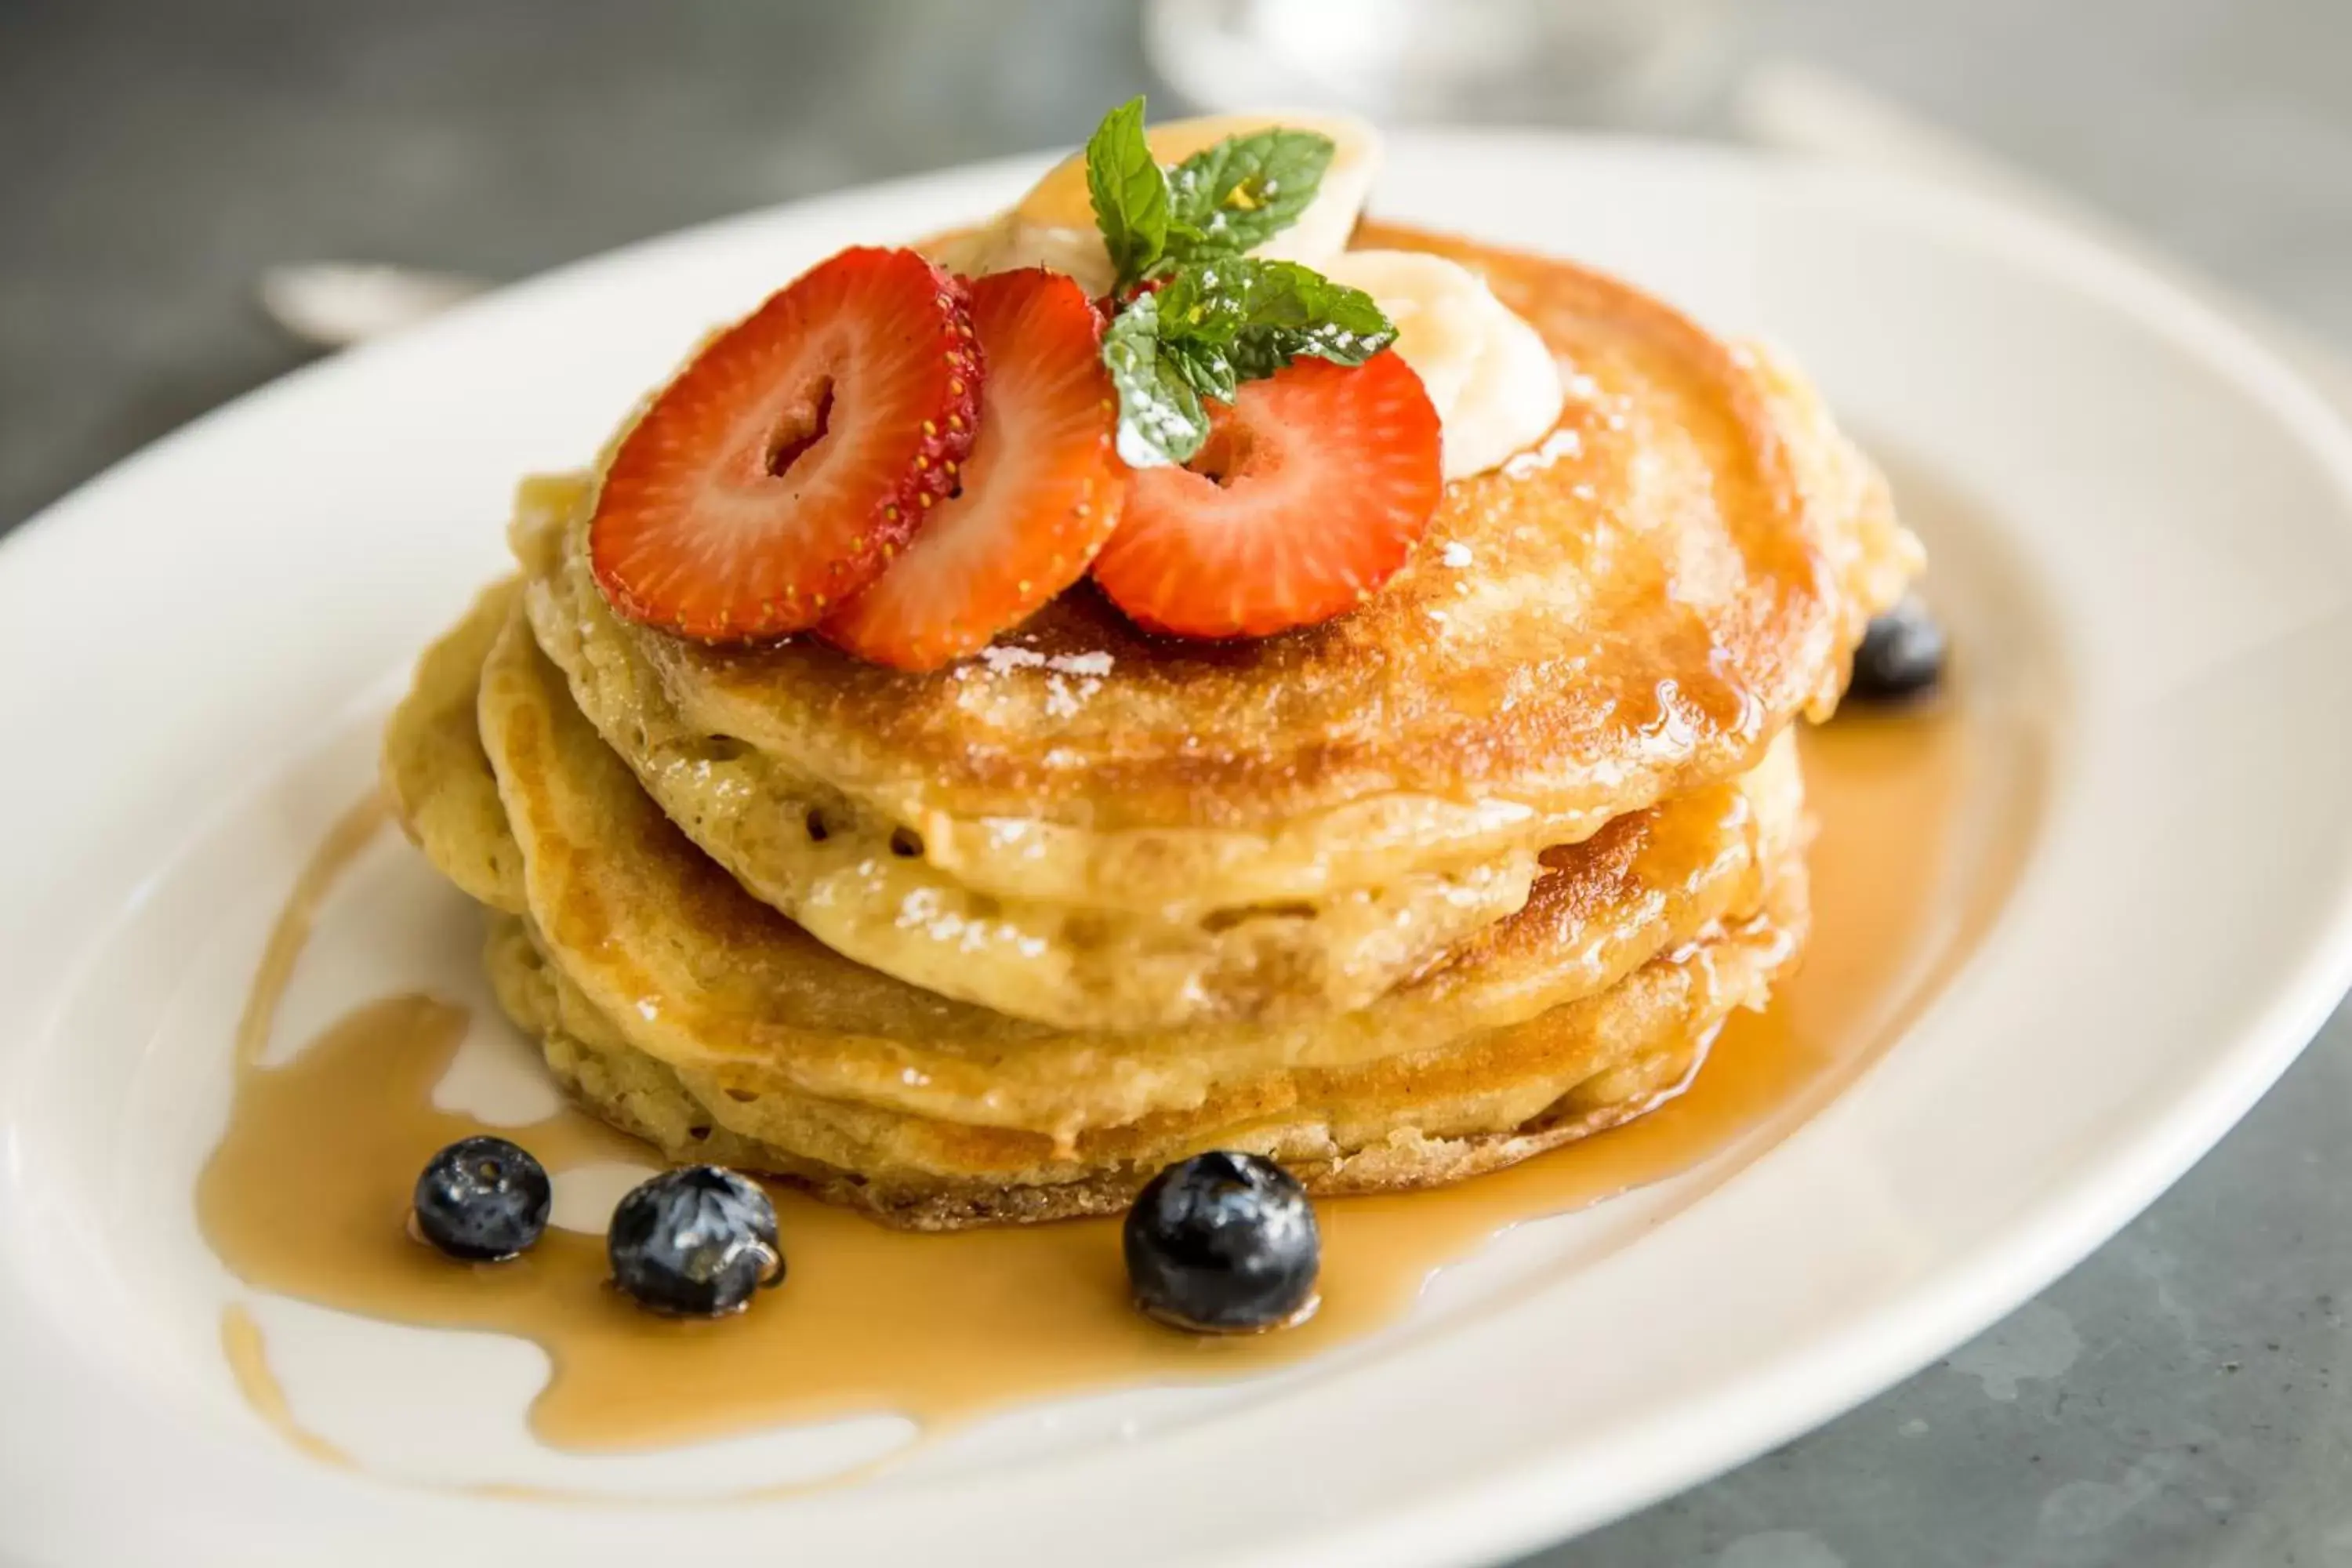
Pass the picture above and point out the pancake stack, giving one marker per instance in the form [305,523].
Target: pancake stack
[1467,873]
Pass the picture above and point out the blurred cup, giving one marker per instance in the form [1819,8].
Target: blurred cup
[1610,62]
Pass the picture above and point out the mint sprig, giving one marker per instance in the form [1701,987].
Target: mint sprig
[1196,316]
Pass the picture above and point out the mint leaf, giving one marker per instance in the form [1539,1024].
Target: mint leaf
[1261,315]
[1160,419]
[1206,368]
[1129,191]
[1243,191]
[1296,312]
[1198,303]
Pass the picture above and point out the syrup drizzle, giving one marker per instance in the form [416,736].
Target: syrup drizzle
[307,1192]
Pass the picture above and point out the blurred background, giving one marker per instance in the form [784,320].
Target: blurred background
[162,155]
[172,173]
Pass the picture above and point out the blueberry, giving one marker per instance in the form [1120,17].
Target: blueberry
[695,1242]
[482,1200]
[1223,1243]
[1901,656]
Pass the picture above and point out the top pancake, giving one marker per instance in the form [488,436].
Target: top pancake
[1630,611]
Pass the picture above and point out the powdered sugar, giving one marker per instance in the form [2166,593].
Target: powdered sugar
[1566,442]
[1004,660]
[1070,678]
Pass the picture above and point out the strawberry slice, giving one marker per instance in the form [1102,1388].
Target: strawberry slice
[775,475]
[1308,496]
[1041,490]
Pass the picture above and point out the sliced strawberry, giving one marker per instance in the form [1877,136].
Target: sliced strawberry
[1307,497]
[1041,490]
[775,475]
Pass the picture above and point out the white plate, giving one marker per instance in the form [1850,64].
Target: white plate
[2154,565]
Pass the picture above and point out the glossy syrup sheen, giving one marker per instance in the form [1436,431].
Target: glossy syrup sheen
[307,1192]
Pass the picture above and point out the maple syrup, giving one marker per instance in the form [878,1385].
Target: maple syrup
[307,1192]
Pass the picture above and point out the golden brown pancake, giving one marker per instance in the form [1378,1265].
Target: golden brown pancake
[433,767]
[717,1030]
[1421,1120]
[1093,828]
[704,977]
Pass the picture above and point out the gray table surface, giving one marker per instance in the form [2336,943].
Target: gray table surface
[2172,1401]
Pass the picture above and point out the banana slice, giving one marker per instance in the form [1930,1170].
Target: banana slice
[1054,224]
[1491,376]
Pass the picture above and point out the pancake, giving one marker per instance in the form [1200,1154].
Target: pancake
[702,977]
[1424,1119]
[1095,829]
[435,771]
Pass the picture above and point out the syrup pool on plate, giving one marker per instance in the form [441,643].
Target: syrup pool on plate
[307,1192]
